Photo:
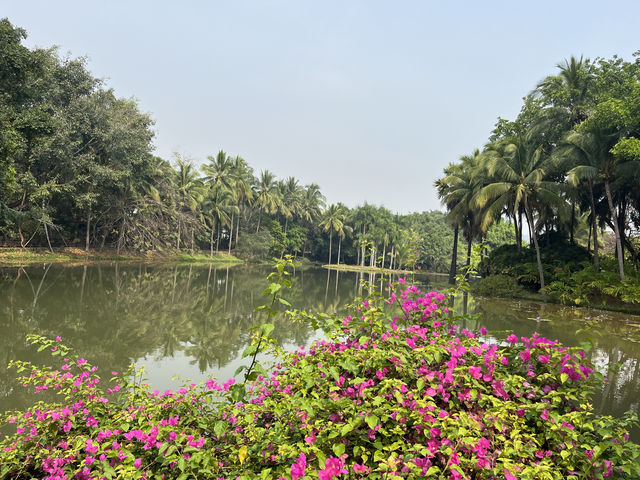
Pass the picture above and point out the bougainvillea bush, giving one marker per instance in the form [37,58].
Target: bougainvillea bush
[396,390]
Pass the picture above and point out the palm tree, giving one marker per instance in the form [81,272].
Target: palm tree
[570,90]
[590,153]
[242,179]
[189,192]
[459,188]
[218,206]
[332,221]
[266,194]
[519,177]
[449,199]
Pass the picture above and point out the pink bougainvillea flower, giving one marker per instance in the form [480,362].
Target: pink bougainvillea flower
[332,468]
[298,468]
[508,475]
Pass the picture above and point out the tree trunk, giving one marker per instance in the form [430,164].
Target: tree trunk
[86,244]
[120,237]
[230,233]
[454,257]
[535,242]
[238,228]
[339,248]
[259,218]
[520,227]
[573,220]
[594,222]
[211,242]
[178,241]
[330,241]
[468,263]
[192,240]
[616,229]
[515,226]
[384,251]
[218,238]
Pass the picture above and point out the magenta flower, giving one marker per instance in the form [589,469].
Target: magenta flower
[298,468]
[137,463]
[508,475]
[332,468]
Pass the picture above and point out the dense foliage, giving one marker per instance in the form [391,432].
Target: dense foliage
[568,165]
[395,390]
[76,168]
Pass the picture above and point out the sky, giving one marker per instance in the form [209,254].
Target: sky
[368,99]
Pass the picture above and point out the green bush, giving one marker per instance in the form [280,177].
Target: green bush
[498,286]
[557,258]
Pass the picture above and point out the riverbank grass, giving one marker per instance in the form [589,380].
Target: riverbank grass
[71,255]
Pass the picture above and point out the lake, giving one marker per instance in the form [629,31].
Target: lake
[193,321]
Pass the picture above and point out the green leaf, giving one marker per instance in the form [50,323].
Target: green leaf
[338,449]
[219,428]
[266,329]
[346,429]
[372,420]
[237,392]
[564,377]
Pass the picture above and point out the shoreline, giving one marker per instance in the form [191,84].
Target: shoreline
[18,257]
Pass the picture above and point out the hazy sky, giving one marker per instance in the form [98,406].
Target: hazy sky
[369,99]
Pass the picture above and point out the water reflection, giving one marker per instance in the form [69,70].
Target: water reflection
[193,320]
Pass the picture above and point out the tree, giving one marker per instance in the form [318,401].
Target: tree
[266,194]
[332,221]
[519,176]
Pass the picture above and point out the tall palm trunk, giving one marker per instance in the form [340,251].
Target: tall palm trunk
[532,228]
[230,233]
[384,251]
[238,227]
[339,248]
[616,229]
[330,242]
[211,242]
[594,228]
[454,257]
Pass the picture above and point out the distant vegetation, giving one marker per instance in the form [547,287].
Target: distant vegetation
[569,168]
[77,169]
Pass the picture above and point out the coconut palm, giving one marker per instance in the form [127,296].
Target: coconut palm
[459,188]
[332,221]
[242,179]
[218,207]
[266,194]
[518,173]
[590,152]
[189,189]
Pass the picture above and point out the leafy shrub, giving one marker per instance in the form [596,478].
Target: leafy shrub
[254,246]
[590,287]
[497,286]
[558,258]
[407,395]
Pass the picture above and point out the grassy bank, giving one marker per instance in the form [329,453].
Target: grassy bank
[29,256]
[358,268]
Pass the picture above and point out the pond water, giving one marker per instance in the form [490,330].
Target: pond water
[193,321]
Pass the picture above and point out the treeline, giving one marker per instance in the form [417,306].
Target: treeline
[77,168]
[568,165]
